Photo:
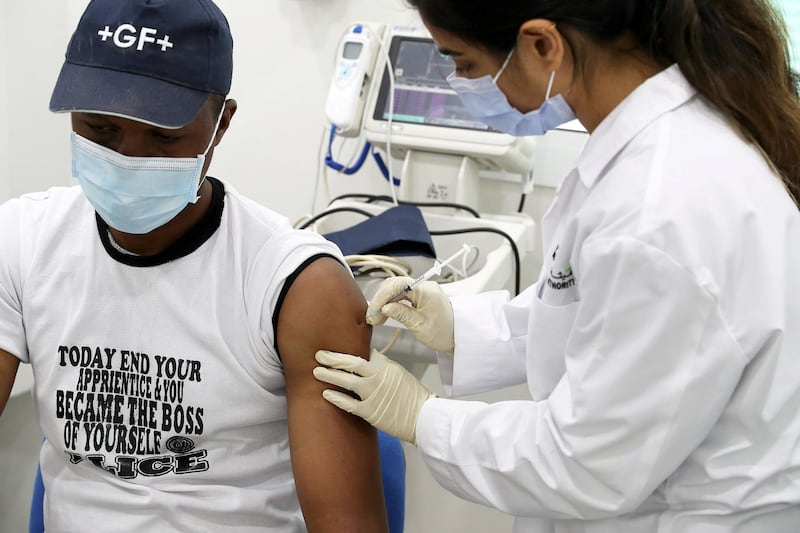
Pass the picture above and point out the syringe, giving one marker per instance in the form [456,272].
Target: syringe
[435,270]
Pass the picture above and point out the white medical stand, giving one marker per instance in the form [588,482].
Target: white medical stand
[432,177]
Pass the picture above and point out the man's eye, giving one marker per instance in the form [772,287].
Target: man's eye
[463,69]
[101,128]
[166,137]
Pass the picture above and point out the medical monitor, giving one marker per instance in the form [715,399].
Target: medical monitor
[427,114]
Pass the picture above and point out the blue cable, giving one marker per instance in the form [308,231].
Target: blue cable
[384,169]
[340,167]
[360,162]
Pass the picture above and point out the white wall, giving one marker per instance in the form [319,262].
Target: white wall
[283,60]
[4,120]
[37,150]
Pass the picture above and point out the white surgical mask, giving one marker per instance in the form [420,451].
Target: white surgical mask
[487,103]
[136,194]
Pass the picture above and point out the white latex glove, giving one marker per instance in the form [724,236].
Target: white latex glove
[391,398]
[429,317]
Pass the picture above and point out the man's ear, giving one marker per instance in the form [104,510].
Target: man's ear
[227,115]
[541,44]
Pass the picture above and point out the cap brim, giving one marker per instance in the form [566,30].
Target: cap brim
[132,96]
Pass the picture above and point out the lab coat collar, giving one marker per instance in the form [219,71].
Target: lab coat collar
[658,95]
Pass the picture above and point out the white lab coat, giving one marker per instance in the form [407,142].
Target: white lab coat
[661,343]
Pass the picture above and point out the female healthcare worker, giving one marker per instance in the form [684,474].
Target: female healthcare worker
[661,343]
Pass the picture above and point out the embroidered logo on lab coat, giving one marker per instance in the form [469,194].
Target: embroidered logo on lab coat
[560,277]
[559,286]
[560,281]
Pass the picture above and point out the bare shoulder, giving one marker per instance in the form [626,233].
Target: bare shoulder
[335,456]
[324,308]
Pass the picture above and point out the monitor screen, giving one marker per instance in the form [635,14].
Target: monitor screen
[427,115]
[421,93]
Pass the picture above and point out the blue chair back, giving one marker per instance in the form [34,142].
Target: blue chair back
[393,471]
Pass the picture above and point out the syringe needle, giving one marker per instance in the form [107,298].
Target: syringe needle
[435,270]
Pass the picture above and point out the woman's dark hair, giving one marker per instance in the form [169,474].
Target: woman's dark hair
[734,52]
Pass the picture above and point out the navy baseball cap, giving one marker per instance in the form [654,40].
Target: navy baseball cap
[153,61]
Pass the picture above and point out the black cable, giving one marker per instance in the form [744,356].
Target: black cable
[383,198]
[514,249]
[521,203]
[353,195]
[313,219]
[461,231]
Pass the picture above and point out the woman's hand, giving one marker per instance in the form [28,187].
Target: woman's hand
[390,397]
[429,317]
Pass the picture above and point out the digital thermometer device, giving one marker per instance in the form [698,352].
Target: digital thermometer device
[355,58]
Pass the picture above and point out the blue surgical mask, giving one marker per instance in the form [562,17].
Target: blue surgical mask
[487,103]
[136,194]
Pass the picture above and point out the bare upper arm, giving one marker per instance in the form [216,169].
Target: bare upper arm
[335,455]
[8,372]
